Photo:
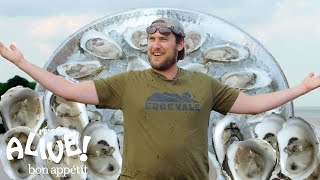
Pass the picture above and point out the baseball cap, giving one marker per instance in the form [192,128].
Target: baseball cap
[176,27]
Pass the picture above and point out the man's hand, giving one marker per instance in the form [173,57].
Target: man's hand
[13,55]
[310,82]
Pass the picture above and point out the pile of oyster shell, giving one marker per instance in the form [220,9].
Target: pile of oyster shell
[244,147]
[265,147]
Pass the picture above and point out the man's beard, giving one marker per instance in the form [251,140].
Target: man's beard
[166,64]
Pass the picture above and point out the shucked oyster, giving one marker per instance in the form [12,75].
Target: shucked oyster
[60,112]
[100,45]
[247,79]
[22,107]
[197,67]
[79,70]
[268,129]
[18,168]
[253,159]
[299,148]
[104,159]
[136,37]
[228,130]
[227,52]
[136,63]
[195,37]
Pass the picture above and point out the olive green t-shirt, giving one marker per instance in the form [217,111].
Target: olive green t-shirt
[166,121]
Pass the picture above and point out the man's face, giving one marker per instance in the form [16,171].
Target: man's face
[162,51]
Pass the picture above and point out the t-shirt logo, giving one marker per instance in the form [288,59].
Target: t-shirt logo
[171,102]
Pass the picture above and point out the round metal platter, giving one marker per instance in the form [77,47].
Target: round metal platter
[218,32]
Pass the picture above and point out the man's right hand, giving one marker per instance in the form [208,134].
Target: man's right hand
[13,55]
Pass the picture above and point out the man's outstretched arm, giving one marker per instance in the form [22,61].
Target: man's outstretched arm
[84,92]
[263,102]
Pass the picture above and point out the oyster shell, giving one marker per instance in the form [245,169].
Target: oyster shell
[228,130]
[60,112]
[136,63]
[251,159]
[247,79]
[18,168]
[195,37]
[22,106]
[94,116]
[136,37]
[100,45]
[197,67]
[299,148]
[66,161]
[78,70]
[227,52]
[117,118]
[104,159]
[268,129]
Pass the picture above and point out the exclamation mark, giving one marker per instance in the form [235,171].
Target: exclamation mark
[86,139]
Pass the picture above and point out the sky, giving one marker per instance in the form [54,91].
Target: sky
[288,29]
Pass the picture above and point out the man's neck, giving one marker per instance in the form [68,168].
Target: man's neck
[170,73]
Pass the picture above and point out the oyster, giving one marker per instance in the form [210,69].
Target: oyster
[228,130]
[247,79]
[94,116]
[18,168]
[22,106]
[78,70]
[195,37]
[104,159]
[66,161]
[136,37]
[60,112]
[251,159]
[117,118]
[120,142]
[227,52]
[268,129]
[100,45]
[299,148]
[136,63]
[215,171]
[197,67]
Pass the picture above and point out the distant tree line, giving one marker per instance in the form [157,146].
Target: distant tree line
[15,81]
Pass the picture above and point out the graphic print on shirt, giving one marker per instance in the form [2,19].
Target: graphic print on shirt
[171,102]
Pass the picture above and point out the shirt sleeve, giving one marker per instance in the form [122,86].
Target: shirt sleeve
[223,97]
[111,90]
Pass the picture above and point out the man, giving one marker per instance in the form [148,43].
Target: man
[166,108]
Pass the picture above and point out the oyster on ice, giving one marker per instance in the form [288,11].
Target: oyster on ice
[60,112]
[251,159]
[136,37]
[227,52]
[195,37]
[197,67]
[100,45]
[136,63]
[66,161]
[117,118]
[78,70]
[268,129]
[299,148]
[104,159]
[22,106]
[94,116]
[18,168]
[228,130]
[247,79]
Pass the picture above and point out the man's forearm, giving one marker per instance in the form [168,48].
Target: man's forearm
[263,102]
